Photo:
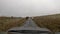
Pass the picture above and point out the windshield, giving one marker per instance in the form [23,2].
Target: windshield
[30,16]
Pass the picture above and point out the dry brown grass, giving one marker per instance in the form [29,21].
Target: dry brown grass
[8,22]
[51,22]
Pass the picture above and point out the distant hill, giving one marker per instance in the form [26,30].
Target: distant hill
[10,17]
[54,15]
[51,22]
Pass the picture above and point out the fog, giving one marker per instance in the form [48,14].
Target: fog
[24,8]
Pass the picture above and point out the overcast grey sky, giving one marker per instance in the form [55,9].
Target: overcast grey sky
[29,7]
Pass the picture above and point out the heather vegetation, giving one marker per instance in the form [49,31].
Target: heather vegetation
[51,22]
[10,22]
